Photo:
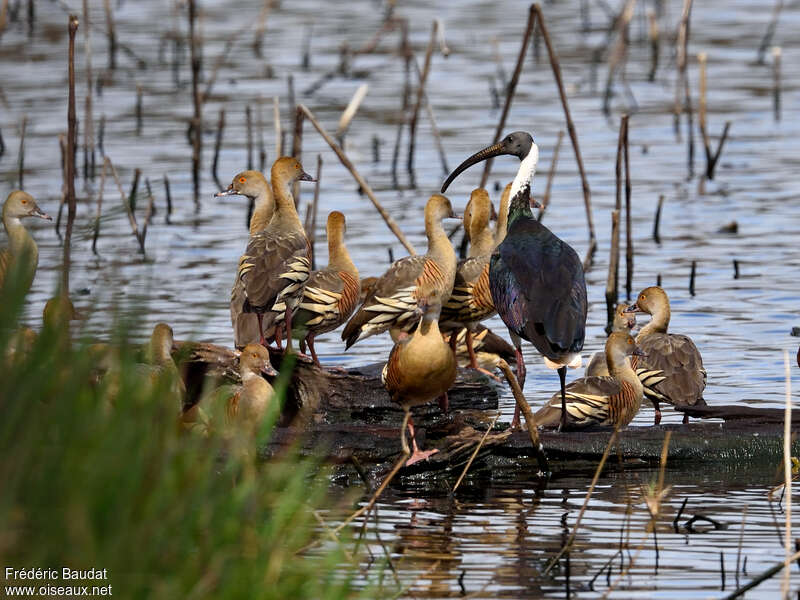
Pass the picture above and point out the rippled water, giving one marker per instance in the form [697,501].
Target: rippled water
[501,535]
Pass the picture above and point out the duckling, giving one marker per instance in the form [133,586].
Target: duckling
[393,303]
[330,295]
[19,205]
[673,370]
[246,406]
[158,354]
[421,367]
[277,261]
[471,300]
[254,185]
[600,401]
[624,322]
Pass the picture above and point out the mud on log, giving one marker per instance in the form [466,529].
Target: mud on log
[347,418]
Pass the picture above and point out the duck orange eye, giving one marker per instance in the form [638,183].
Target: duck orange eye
[24,201]
[242,179]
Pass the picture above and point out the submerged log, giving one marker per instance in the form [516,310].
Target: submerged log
[346,418]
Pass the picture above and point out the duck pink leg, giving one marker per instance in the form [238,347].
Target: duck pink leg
[417,454]
[310,339]
[473,360]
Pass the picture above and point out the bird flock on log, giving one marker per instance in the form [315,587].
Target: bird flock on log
[432,305]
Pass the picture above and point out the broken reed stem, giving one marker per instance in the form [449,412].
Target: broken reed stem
[276,119]
[702,104]
[21,155]
[169,199]
[218,146]
[150,209]
[681,44]
[474,453]
[197,121]
[787,472]
[405,52]
[112,36]
[137,173]
[72,134]
[589,492]
[350,112]
[657,220]
[101,130]
[62,146]
[770,32]
[510,90]
[613,272]
[776,88]
[2,144]
[88,125]
[550,176]
[297,150]
[3,17]
[128,208]
[655,43]
[311,230]
[768,574]
[262,150]
[691,277]
[530,418]
[741,542]
[619,53]
[138,109]
[628,224]
[587,196]
[258,37]
[390,222]
[98,214]
[423,78]
[248,125]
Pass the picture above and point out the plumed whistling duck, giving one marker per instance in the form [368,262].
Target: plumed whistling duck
[600,401]
[19,205]
[276,263]
[624,322]
[471,300]
[536,279]
[331,294]
[160,364]
[247,404]
[251,184]
[392,304]
[421,367]
[672,370]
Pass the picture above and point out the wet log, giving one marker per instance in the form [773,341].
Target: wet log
[346,418]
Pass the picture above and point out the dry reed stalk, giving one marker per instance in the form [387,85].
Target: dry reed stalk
[248,126]
[3,15]
[258,38]
[589,492]
[619,53]
[657,220]
[138,109]
[128,208]
[770,32]
[681,44]
[423,78]
[711,156]
[628,223]
[112,36]
[511,89]
[62,146]
[2,144]
[587,196]
[197,120]
[498,61]
[262,150]
[787,472]
[276,119]
[692,276]
[88,119]
[151,209]
[96,233]
[350,112]
[530,418]
[21,155]
[613,272]
[776,86]
[218,147]
[72,142]
[390,222]
[474,453]
[759,579]
[169,199]
[655,43]
[297,149]
[550,176]
[405,52]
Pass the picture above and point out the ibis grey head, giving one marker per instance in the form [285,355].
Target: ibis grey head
[517,144]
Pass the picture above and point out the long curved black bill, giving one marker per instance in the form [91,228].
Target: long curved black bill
[481,155]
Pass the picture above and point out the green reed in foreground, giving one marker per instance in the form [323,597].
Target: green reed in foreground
[97,475]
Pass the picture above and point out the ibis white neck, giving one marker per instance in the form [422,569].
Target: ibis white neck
[526,170]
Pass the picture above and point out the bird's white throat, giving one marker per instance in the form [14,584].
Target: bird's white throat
[526,170]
